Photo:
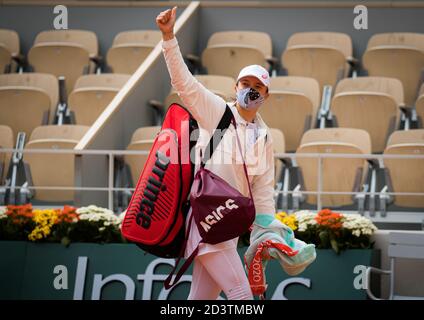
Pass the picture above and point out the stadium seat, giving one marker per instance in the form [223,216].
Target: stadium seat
[6,142]
[406,175]
[397,55]
[338,174]
[9,50]
[64,53]
[371,104]
[278,142]
[53,170]
[130,49]
[419,107]
[141,140]
[92,94]
[291,107]
[324,56]
[229,51]
[27,100]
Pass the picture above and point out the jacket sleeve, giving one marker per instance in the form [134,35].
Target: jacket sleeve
[263,184]
[205,106]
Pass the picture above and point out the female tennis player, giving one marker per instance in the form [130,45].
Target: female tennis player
[218,267]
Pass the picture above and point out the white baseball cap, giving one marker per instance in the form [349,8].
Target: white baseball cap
[256,71]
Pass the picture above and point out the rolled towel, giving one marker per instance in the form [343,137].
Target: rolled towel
[271,239]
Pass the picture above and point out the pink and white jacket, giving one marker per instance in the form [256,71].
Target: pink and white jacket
[207,108]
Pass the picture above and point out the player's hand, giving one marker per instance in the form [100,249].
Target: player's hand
[166,21]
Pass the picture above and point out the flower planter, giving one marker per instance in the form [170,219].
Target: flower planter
[121,271]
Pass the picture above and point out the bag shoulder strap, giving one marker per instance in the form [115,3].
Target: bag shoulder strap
[224,123]
[219,132]
[244,163]
[171,280]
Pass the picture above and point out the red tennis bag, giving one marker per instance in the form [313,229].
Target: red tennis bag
[155,216]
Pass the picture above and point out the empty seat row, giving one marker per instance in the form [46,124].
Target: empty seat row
[48,169]
[71,53]
[325,56]
[373,104]
[142,140]
[340,176]
[354,174]
[28,100]
[370,103]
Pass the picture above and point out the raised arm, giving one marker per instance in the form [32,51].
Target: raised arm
[206,107]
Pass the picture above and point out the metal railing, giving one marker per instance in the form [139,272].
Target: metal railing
[112,154]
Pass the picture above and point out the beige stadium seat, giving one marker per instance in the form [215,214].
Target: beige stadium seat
[278,142]
[6,142]
[223,86]
[338,174]
[71,132]
[141,140]
[229,51]
[64,53]
[419,106]
[397,55]
[9,49]
[291,107]
[406,136]
[320,55]
[406,175]
[371,104]
[53,170]
[27,100]
[87,39]
[130,49]
[92,94]
[261,40]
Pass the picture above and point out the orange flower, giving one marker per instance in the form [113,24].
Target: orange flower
[22,210]
[20,214]
[69,209]
[329,219]
[67,214]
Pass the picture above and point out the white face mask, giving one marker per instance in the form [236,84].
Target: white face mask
[249,98]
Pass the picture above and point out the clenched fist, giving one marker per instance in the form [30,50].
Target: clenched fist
[166,21]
